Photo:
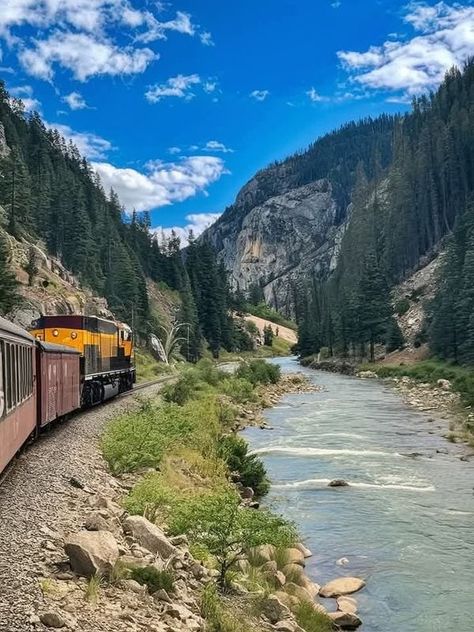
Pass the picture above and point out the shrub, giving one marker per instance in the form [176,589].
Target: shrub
[259,372]
[311,620]
[402,306]
[208,372]
[239,389]
[141,438]
[149,496]
[234,451]
[182,390]
[153,578]
[217,521]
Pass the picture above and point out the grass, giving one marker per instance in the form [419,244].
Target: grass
[147,367]
[280,348]
[153,579]
[222,616]
[93,589]
[268,313]
[311,620]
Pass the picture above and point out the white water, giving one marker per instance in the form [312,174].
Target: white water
[405,522]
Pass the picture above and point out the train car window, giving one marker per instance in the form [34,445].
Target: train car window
[8,376]
[2,385]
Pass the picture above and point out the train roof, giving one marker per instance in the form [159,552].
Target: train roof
[50,347]
[10,328]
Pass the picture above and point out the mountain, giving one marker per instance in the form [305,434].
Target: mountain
[55,212]
[328,233]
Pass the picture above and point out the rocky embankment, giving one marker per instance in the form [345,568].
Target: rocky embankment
[93,567]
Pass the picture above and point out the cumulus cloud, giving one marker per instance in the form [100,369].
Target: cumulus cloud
[84,55]
[259,95]
[83,35]
[179,87]
[162,183]
[206,38]
[444,38]
[75,101]
[195,222]
[90,145]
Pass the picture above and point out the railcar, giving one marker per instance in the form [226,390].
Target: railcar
[105,347]
[17,390]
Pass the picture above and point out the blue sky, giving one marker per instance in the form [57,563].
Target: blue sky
[178,103]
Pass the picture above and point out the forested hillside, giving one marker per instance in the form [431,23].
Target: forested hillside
[50,193]
[400,217]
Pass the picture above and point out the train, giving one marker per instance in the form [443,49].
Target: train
[63,364]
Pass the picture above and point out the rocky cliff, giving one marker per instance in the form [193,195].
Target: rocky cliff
[274,242]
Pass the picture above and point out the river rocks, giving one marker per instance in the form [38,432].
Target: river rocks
[304,550]
[299,592]
[347,605]
[339,482]
[367,375]
[92,552]
[342,586]
[264,552]
[295,556]
[345,620]
[274,609]
[246,493]
[293,572]
[342,561]
[149,536]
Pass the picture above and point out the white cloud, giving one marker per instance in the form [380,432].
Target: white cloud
[83,35]
[174,150]
[209,86]
[179,87]
[196,222]
[445,38]
[206,38]
[215,145]
[90,145]
[314,96]
[75,101]
[259,95]
[84,55]
[162,183]
[25,93]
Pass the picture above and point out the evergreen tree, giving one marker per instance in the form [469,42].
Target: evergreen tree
[9,296]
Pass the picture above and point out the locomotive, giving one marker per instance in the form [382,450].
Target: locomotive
[63,364]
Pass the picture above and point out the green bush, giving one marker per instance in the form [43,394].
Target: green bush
[402,306]
[153,578]
[259,372]
[208,372]
[141,438]
[234,451]
[239,389]
[183,389]
[217,521]
[311,620]
[149,496]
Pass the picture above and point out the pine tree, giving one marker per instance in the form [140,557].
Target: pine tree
[9,296]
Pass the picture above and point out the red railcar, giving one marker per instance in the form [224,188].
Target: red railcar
[59,381]
[17,389]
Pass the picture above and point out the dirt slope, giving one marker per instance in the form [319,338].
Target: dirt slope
[283,332]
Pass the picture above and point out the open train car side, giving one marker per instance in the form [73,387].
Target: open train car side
[17,390]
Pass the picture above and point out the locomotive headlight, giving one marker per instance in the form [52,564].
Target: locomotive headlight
[55,333]
[73,335]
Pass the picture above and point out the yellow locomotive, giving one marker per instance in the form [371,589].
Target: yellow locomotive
[106,349]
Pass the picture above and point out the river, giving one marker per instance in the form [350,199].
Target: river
[405,523]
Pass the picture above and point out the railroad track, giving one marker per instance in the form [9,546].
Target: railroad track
[138,387]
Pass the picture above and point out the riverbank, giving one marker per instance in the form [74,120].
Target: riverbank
[428,386]
[173,539]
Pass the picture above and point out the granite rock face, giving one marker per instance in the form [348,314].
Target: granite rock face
[280,240]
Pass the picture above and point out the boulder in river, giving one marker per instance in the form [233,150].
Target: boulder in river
[345,620]
[342,586]
[347,604]
[339,482]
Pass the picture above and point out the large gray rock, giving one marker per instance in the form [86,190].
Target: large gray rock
[278,232]
[274,609]
[149,536]
[342,586]
[345,620]
[92,552]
